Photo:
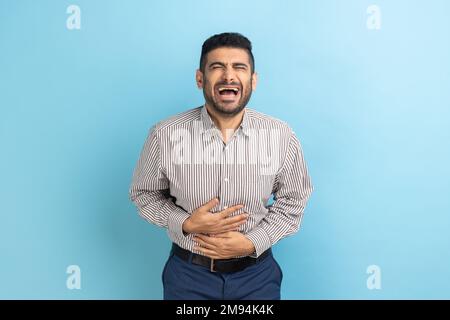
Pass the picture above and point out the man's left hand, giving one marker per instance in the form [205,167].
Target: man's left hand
[224,245]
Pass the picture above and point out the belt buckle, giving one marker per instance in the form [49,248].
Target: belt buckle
[211,266]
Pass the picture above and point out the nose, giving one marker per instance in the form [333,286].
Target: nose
[229,75]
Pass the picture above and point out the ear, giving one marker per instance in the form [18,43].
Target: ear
[199,78]
[254,81]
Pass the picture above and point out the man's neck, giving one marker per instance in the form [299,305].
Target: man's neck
[226,124]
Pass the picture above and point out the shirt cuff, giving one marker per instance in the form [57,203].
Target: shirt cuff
[175,222]
[260,239]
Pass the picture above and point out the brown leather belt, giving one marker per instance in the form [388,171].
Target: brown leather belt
[218,265]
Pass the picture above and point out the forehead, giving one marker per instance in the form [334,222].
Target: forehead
[229,55]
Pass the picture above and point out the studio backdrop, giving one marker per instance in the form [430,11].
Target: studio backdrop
[364,85]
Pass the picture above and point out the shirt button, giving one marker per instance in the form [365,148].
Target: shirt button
[226,179]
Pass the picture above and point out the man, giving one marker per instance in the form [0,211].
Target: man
[207,175]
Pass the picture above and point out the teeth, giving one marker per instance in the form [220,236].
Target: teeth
[234,89]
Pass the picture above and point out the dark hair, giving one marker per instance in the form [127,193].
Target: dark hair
[226,39]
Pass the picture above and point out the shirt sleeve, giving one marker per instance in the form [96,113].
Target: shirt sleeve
[150,192]
[291,192]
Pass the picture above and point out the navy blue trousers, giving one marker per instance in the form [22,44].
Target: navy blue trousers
[183,280]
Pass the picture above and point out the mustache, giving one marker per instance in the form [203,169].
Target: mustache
[228,84]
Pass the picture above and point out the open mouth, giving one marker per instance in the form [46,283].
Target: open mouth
[223,91]
[228,93]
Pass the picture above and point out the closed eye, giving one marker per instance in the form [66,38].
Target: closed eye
[216,65]
[240,66]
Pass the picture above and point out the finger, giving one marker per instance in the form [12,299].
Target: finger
[225,213]
[225,234]
[233,226]
[228,230]
[209,240]
[204,244]
[207,252]
[210,204]
[240,219]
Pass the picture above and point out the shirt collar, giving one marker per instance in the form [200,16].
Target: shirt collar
[209,125]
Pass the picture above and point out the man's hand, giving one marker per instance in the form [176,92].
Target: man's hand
[203,221]
[225,245]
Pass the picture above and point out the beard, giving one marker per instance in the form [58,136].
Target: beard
[224,108]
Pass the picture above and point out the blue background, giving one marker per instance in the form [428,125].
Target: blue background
[371,107]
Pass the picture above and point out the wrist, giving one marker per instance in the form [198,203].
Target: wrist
[250,247]
[185,226]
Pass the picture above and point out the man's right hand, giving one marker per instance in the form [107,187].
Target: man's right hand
[204,221]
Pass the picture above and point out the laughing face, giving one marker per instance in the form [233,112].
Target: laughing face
[227,80]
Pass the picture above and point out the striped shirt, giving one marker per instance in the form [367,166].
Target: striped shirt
[185,163]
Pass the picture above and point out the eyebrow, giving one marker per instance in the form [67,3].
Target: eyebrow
[236,64]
